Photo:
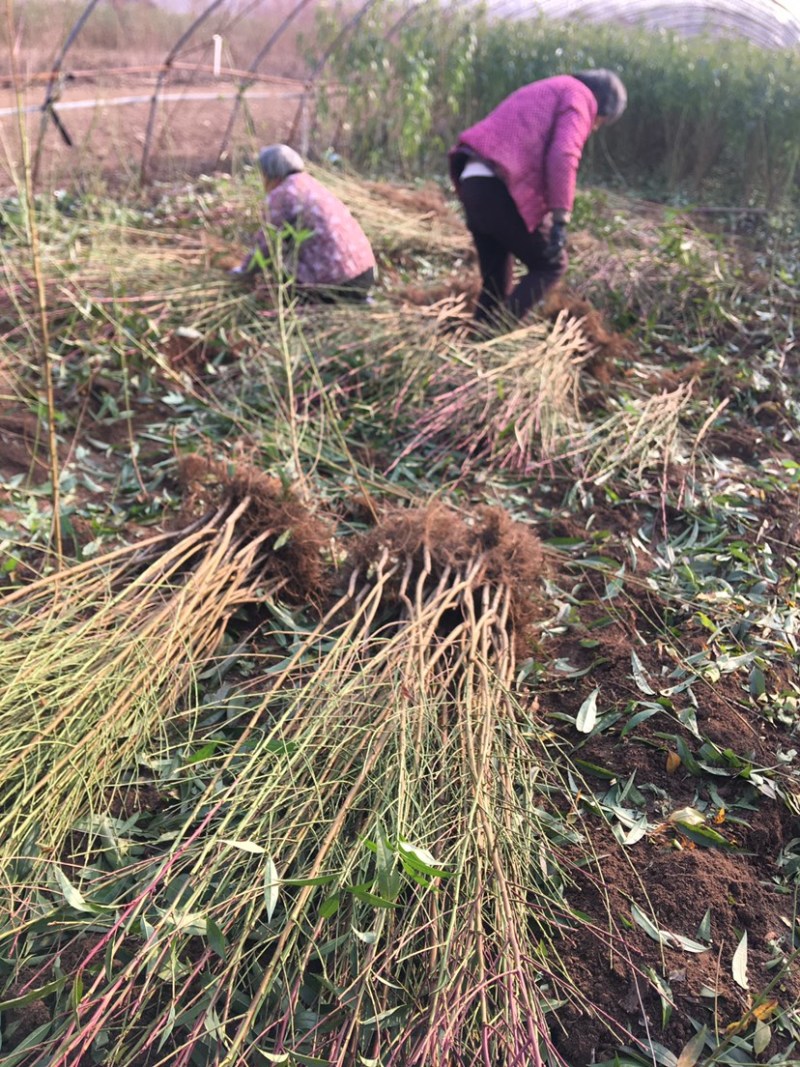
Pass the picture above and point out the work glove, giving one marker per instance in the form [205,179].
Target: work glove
[556,242]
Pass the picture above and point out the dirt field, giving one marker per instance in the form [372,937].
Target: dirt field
[108,136]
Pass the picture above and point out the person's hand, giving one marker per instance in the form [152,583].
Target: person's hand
[556,242]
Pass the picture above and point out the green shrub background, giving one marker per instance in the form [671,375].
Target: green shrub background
[707,119]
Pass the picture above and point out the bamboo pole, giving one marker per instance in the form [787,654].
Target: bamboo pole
[41,300]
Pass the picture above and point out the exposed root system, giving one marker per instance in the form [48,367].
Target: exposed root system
[294,537]
[486,566]
[607,347]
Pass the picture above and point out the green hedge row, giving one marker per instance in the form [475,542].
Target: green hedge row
[708,120]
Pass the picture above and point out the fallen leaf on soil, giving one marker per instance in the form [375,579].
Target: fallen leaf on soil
[690,1053]
[687,816]
[673,762]
[760,1013]
[587,714]
[739,963]
[665,937]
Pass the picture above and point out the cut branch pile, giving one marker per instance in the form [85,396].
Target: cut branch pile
[516,404]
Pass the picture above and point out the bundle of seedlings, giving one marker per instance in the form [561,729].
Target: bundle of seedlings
[102,655]
[608,346]
[370,867]
[511,402]
[642,434]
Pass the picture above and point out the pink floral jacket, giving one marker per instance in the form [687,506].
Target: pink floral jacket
[337,249]
[534,139]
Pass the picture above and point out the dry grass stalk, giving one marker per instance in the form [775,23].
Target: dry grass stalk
[516,403]
[646,435]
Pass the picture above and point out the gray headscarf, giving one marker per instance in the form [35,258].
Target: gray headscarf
[610,93]
[278,161]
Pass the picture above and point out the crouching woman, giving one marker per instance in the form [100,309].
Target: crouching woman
[318,243]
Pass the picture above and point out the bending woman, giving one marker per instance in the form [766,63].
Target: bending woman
[515,172]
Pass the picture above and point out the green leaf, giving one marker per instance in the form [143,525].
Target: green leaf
[648,926]
[665,937]
[212,1023]
[587,713]
[168,1027]
[665,995]
[421,859]
[389,880]
[761,1037]
[203,753]
[687,759]
[369,937]
[691,1051]
[329,907]
[284,538]
[76,994]
[757,682]
[638,719]
[73,897]
[272,887]
[639,675]
[370,898]
[704,929]
[706,836]
[34,994]
[739,963]
[661,1054]
[596,769]
[689,719]
[245,846]
[216,938]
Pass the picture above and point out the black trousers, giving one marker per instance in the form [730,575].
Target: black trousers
[500,235]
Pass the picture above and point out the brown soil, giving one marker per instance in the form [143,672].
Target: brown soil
[23,445]
[428,201]
[674,888]
[109,140]
[667,874]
